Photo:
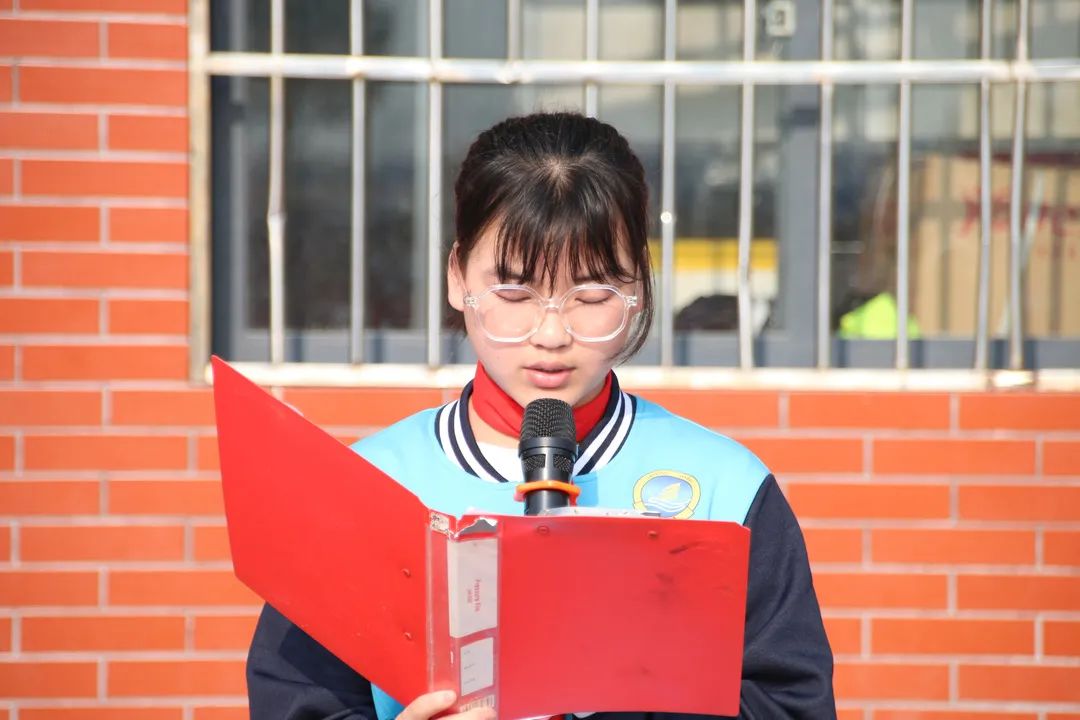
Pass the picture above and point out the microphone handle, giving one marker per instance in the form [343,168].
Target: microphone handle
[539,501]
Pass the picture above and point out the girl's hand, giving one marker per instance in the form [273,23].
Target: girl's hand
[432,704]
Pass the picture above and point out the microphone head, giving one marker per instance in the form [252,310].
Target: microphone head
[548,418]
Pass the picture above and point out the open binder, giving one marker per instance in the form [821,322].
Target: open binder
[531,615]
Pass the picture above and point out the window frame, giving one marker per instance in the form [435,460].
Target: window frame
[803,346]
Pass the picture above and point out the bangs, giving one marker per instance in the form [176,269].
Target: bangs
[562,220]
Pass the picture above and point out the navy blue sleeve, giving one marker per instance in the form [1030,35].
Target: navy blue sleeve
[787,662]
[292,677]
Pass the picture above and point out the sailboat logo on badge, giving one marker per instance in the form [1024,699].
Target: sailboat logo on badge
[667,492]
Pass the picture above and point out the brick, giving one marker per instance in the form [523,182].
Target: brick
[22,679]
[895,681]
[1018,592]
[178,587]
[147,40]
[50,131]
[166,497]
[48,315]
[148,132]
[49,497]
[5,635]
[354,406]
[48,38]
[7,268]
[5,545]
[954,456]
[103,86]
[176,678]
[880,590]
[5,84]
[105,452]
[833,544]
[221,713]
[835,500]
[719,409]
[212,543]
[845,635]
[166,407]
[909,714]
[147,224]
[49,407]
[7,362]
[101,713]
[104,178]
[7,452]
[102,632]
[7,176]
[51,223]
[48,588]
[206,453]
[1016,683]
[952,636]
[175,7]
[224,632]
[905,411]
[953,546]
[808,455]
[1019,502]
[152,317]
[103,542]
[1061,457]
[1061,548]
[1026,411]
[1061,637]
[112,362]
[105,270]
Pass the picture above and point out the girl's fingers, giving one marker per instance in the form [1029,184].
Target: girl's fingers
[428,705]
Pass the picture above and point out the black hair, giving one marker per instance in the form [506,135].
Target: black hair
[565,190]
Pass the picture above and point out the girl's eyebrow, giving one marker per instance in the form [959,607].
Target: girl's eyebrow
[492,275]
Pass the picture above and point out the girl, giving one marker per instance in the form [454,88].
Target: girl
[551,268]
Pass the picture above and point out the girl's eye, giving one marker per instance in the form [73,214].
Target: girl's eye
[592,297]
[513,296]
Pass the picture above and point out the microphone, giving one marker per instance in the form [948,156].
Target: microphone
[548,450]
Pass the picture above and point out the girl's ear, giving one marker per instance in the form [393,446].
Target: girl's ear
[455,281]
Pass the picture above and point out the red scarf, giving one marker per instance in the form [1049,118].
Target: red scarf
[503,413]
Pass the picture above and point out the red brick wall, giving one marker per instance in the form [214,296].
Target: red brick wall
[944,528]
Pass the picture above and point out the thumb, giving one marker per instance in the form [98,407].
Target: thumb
[428,705]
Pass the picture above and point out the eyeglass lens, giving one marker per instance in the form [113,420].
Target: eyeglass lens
[516,312]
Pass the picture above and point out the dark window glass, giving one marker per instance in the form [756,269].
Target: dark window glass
[709,30]
[320,27]
[631,30]
[396,27]
[474,29]
[239,182]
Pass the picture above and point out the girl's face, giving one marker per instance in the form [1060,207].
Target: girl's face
[549,364]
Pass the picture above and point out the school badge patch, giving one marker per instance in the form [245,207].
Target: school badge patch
[667,492]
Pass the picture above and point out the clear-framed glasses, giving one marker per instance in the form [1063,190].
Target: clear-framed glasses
[589,313]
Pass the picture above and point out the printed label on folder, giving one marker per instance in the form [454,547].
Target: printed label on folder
[472,582]
[477,665]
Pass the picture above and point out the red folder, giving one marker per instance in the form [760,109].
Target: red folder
[531,615]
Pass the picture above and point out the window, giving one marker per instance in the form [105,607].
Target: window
[799,147]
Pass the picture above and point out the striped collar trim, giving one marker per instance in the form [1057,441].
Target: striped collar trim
[455,435]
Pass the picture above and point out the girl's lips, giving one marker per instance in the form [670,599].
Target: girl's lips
[547,378]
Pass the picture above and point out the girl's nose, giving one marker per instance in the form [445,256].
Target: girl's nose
[551,333]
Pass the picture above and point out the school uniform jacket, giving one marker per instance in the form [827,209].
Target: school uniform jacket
[638,456]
